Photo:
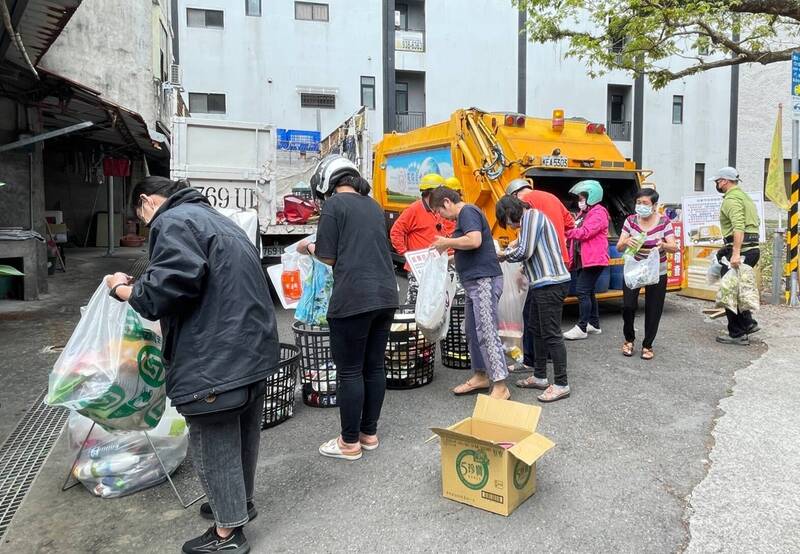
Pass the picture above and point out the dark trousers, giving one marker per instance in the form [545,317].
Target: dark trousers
[739,323]
[654,296]
[358,346]
[587,301]
[544,308]
[528,340]
[224,453]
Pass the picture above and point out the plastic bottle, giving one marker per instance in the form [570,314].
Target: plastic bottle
[516,354]
[640,238]
[290,277]
[110,466]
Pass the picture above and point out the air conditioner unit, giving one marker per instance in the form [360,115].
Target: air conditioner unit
[175,75]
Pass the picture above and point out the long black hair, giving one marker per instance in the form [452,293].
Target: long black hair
[156,185]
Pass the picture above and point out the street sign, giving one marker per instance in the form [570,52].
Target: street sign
[796,85]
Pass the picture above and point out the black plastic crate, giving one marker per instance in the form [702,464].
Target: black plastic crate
[281,385]
[317,370]
[410,358]
[454,349]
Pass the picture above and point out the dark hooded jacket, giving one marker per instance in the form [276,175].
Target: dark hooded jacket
[206,286]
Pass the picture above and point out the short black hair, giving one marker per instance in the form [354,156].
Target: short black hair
[509,208]
[440,194]
[156,185]
[648,192]
[361,185]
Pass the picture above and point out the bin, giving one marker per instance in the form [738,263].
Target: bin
[317,370]
[454,350]
[279,397]
[409,356]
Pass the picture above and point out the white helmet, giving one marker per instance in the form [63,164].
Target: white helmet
[329,171]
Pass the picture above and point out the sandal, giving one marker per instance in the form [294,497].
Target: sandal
[333,449]
[469,388]
[519,367]
[648,354]
[533,383]
[627,349]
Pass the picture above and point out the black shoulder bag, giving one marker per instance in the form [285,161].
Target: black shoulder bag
[223,404]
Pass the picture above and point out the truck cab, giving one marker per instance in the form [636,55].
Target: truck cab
[486,151]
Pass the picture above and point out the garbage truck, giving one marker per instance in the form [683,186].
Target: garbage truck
[244,167]
[486,151]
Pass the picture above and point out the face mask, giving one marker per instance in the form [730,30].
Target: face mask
[719,188]
[582,204]
[644,211]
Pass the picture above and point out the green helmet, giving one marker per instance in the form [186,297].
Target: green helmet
[592,189]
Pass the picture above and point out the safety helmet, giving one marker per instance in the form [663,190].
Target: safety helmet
[592,189]
[453,184]
[431,181]
[517,185]
[329,171]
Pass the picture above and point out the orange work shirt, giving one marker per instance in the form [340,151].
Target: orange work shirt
[417,228]
[556,212]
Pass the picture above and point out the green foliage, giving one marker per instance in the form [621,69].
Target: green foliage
[666,39]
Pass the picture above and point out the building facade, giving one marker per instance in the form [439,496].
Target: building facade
[308,65]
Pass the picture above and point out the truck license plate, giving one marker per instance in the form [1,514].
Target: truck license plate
[273,251]
[554,161]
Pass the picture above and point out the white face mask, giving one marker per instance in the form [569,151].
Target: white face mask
[582,204]
[643,210]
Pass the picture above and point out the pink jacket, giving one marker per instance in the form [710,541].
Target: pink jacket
[593,236]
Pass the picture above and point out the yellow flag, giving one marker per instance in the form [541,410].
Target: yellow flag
[776,188]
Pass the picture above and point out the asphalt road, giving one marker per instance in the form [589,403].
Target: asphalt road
[632,443]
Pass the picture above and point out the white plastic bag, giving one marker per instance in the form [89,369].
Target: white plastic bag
[515,289]
[642,273]
[434,299]
[118,463]
[738,290]
[111,369]
[715,270]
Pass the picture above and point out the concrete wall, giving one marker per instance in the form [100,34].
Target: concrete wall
[15,196]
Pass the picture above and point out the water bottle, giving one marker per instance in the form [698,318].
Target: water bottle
[110,466]
[639,241]
[290,277]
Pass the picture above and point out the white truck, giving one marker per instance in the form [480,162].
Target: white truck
[238,165]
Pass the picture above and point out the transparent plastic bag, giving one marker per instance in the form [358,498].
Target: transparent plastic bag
[738,290]
[512,301]
[642,273]
[728,291]
[714,273]
[111,369]
[312,308]
[119,463]
[437,286]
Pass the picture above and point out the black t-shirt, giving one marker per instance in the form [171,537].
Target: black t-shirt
[352,231]
[481,262]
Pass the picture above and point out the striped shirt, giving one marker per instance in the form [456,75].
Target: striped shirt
[660,232]
[539,251]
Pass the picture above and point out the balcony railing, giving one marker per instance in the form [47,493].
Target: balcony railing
[409,121]
[409,41]
[619,131]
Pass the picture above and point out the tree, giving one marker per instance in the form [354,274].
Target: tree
[666,39]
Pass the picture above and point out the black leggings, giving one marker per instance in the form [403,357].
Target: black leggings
[654,296]
[358,346]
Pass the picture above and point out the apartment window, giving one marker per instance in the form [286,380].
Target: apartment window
[401,17]
[163,52]
[401,97]
[211,19]
[617,108]
[313,100]
[368,92]
[699,177]
[200,102]
[309,11]
[677,110]
[252,8]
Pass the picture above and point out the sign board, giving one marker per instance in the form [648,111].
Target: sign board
[416,260]
[409,41]
[403,172]
[701,225]
[796,85]
[675,265]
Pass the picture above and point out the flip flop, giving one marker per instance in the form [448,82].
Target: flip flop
[648,354]
[519,368]
[471,389]
[627,349]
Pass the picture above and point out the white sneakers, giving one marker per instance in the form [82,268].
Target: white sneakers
[576,333]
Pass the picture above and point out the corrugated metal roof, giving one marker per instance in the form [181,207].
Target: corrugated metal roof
[39,22]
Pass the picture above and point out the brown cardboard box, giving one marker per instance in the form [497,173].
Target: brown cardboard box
[478,470]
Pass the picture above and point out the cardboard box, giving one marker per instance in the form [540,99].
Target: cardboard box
[477,467]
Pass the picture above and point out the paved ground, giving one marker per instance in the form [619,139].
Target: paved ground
[632,444]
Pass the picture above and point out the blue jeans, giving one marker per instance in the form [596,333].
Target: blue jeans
[225,453]
[587,301]
[481,326]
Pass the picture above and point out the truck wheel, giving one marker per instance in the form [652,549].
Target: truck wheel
[139,267]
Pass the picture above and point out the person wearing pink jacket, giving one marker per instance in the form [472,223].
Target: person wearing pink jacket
[589,255]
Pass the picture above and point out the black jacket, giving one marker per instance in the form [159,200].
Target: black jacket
[206,285]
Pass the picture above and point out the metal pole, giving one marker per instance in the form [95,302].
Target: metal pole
[522,62]
[793,215]
[777,266]
[110,183]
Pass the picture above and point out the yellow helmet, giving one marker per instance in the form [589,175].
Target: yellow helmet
[431,181]
[453,184]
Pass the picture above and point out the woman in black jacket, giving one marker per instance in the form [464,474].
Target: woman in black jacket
[206,286]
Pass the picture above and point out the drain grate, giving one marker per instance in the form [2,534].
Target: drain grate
[23,454]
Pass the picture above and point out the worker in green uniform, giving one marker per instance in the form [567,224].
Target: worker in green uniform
[740,224]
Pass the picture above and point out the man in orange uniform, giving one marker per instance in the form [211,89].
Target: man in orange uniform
[418,226]
[562,220]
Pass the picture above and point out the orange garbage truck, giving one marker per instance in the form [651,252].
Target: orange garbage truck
[486,151]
